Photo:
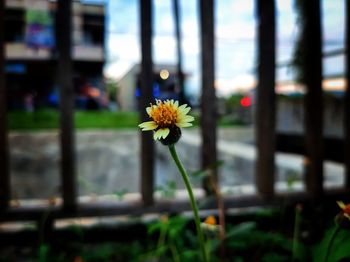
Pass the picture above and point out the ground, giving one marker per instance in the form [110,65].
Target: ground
[108,163]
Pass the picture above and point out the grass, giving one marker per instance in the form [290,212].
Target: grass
[49,119]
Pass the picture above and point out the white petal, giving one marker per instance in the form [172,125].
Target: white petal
[185,119]
[188,119]
[184,110]
[182,106]
[166,132]
[146,126]
[161,133]
[183,124]
[148,110]
[156,135]
[341,204]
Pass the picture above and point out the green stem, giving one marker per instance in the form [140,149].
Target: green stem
[175,253]
[329,248]
[192,200]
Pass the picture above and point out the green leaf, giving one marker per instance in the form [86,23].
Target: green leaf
[120,193]
[242,228]
[43,253]
[340,248]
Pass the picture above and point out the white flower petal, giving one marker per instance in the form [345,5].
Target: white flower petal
[184,110]
[158,134]
[341,204]
[166,132]
[161,133]
[188,118]
[183,107]
[183,124]
[146,126]
[148,110]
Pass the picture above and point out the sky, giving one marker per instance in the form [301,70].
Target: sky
[235,32]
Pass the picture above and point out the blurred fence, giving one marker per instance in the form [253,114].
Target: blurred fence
[265,119]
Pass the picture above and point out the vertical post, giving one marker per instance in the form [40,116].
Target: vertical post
[313,102]
[147,144]
[347,97]
[266,98]
[65,80]
[208,104]
[4,147]
[180,74]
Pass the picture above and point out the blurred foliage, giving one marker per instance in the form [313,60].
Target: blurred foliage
[168,190]
[43,253]
[120,194]
[112,89]
[233,101]
[336,242]
[172,238]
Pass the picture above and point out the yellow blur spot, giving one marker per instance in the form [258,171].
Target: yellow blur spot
[210,220]
[164,74]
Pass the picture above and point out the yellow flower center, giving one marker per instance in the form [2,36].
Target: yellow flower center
[210,220]
[164,114]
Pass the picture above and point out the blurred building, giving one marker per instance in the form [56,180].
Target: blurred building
[32,58]
[165,85]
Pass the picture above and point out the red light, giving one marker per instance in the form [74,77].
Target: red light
[245,101]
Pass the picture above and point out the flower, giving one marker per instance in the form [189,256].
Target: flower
[167,118]
[345,209]
[210,225]
[343,218]
[210,220]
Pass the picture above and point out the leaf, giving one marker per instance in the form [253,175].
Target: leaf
[154,227]
[189,255]
[43,253]
[172,185]
[241,228]
[340,248]
[120,193]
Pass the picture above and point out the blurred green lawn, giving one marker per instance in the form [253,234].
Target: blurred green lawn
[49,119]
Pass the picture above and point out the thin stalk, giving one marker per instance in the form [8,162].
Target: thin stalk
[162,235]
[221,212]
[192,200]
[175,253]
[329,248]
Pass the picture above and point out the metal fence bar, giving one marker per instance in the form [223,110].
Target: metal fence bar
[32,213]
[313,101]
[65,79]
[178,37]
[347,98]
[147,144]
[4,145]
[266,98]
[208,99]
